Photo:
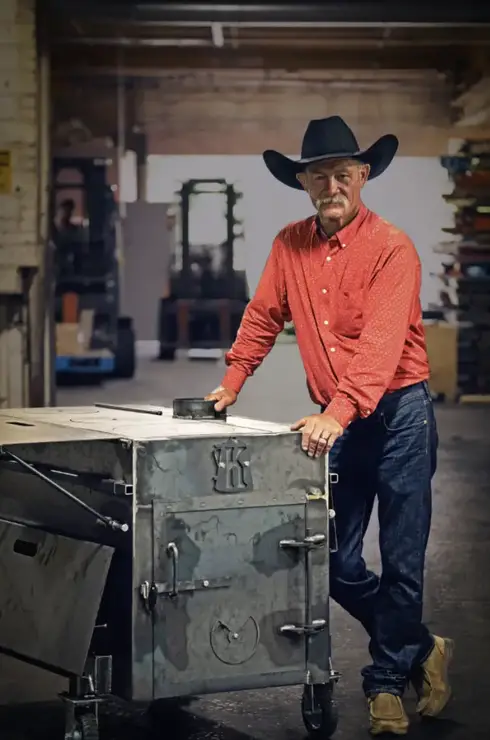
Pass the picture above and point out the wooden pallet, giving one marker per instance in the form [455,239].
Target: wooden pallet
[475,398]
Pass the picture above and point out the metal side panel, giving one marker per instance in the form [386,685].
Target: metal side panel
[51,591]
[272,465]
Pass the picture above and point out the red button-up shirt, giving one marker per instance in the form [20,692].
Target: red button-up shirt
[354,301]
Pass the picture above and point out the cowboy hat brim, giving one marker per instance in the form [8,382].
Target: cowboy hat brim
[379,156]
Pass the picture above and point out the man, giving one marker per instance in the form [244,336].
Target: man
[65,218]
[350,282]
[68,235]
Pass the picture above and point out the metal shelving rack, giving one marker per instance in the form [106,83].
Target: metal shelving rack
[465,295]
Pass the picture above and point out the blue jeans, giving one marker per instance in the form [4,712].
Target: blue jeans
[391,454]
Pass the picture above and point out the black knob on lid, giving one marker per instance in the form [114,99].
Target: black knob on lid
[197,409]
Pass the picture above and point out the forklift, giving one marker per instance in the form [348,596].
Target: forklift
[206,296]
[92,338]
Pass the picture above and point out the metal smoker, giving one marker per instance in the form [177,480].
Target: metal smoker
[164,553]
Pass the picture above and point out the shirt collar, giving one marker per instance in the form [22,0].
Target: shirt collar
[345,236]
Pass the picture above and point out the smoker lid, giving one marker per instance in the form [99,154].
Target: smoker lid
[197,409]
[78,423]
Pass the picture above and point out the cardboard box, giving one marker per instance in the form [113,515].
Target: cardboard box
[74,339]
[86,324]
[69,340]
[442,349]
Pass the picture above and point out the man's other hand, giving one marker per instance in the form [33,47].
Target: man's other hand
[224,397]
[319,432]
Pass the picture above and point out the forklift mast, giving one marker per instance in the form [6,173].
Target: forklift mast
[207,294]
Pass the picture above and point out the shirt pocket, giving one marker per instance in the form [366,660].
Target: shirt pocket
[349,310]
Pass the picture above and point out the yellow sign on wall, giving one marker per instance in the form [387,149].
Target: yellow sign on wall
[5,172]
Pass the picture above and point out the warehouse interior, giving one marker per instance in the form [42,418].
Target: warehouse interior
[136,129]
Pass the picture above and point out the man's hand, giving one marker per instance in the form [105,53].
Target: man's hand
[224,396]
[319,433]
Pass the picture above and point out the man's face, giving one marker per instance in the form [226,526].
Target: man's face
[67,209]
[334,187]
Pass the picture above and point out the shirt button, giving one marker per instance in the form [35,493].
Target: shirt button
[329,259]
[326,323]
[324,290]
[332,349]
[343,245]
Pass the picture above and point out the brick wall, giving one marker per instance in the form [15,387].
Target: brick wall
[19,247]
[24,142]
[18,137]
[240,112]
[19,193]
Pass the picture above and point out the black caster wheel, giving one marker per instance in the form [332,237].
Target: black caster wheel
[167,353]
[88,727]
[319,710]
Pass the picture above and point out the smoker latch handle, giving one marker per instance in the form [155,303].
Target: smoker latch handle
[173,553]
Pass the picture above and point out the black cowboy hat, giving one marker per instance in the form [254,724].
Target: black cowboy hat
[330,138]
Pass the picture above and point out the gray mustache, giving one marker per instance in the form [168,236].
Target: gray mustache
[336,200]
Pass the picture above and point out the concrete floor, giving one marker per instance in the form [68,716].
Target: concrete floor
[457,590]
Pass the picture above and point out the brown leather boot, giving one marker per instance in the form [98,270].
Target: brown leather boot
[387,715]
[432,683]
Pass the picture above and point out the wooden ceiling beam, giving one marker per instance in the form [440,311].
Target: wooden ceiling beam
[97,59]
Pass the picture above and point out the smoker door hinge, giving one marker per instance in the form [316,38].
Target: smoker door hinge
[312,542]
[317,625]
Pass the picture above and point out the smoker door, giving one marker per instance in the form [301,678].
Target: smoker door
[228,588]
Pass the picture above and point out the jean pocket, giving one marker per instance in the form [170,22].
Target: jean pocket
[407,414]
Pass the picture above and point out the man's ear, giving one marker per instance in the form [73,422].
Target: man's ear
[366,169]
[301,177]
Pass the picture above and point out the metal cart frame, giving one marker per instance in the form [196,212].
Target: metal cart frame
[199,551]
